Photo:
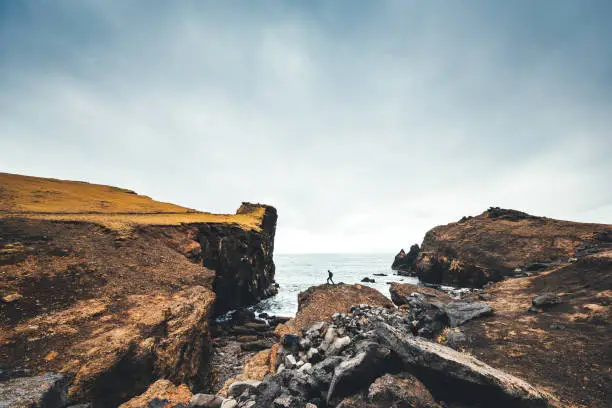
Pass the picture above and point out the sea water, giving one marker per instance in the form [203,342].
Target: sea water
[296,273]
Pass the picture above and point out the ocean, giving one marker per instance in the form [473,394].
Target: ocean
[296,273]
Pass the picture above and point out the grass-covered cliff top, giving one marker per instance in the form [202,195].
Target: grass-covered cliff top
[113,207]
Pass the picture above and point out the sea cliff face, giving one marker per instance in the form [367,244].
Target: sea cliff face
[114,290]
[242,259]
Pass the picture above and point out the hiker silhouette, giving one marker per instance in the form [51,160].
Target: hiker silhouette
[330,275]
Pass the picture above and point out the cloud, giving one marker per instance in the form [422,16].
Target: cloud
[365,124]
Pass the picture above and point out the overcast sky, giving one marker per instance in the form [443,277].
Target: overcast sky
[364,123]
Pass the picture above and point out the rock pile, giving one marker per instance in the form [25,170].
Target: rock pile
[370,358]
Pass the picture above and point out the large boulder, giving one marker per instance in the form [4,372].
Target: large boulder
[452,375]
[460,312]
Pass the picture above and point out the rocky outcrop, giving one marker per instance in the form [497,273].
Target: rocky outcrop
[119,292]
[502,243]
[404,262]
[320,303]
[242,259]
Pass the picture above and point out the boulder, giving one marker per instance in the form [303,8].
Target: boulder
[545,300]
[368,280]
[46,391]
[451,375]
[462,311]
[371,361]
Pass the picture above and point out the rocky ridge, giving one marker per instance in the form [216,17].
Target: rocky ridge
[502,243]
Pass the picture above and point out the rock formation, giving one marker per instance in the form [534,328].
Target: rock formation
[503,243]
[115,290]
[404,262]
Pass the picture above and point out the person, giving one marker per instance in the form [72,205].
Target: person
[330,275]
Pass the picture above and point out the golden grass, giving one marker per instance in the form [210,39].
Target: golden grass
[112,207]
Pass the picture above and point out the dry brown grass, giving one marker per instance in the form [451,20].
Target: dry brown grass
[114,208]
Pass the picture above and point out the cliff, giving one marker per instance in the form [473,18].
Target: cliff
[500,243]
[115,290]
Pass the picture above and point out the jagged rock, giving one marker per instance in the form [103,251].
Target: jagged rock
[462,311]
[239,387]
[545,300]
[353,374]
[403,261]
[205,401]
[457,376]
[45,391]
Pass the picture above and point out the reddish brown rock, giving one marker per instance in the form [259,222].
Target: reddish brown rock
[319,303]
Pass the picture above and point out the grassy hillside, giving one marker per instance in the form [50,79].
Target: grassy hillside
[112,207]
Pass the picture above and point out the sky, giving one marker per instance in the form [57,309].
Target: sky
[365,123]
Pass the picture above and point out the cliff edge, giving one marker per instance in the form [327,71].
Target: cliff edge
[113,290]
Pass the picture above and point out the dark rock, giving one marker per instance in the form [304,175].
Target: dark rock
[290,341]
[397,299]
[455,376]
[545,300]
[368,280]
[404,261]
[536,266]
[371,361]
[462,311]
[237,388]
[45,391]
[379,274]
[241,316]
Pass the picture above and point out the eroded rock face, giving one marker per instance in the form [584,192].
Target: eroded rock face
[242,259]
[495,244]
[404,262]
